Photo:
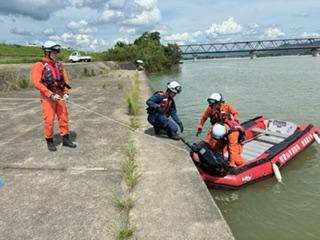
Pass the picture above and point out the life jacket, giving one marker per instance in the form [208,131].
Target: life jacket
[52,76]
[220,116]
[235,126]
[165,104]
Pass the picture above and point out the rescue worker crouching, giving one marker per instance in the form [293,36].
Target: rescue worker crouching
[50,78]
[218,110]
[161,106]
[228,134]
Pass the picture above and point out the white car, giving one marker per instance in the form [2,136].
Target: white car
[76,57]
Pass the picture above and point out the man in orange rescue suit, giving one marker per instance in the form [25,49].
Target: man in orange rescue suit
[218,110]
[231,134]
[50,78]
[161,106]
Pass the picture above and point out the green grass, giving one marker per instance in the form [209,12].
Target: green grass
[14,53]
[125,232]
[134,123]
[130,175]
[124,204]
[132,98]
[18,83]
[88,72]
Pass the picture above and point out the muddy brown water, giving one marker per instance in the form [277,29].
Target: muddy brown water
[285,88]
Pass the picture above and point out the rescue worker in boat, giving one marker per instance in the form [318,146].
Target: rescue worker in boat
[50,78]
[218,110]
[228,134]
[161,107]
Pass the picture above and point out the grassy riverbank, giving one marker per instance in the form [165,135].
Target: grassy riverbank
[14,53]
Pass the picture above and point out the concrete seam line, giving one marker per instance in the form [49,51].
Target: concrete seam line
[16,108]
[20,99]
[95,169]
[125,125]
[108,118]
[7,109]
[20,135]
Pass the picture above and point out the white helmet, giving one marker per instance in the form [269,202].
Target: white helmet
[218,131]
[174,87]
[215,98]
[50,46]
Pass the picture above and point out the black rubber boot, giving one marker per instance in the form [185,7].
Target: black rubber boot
[156,130]
[51,146]
[171,134]
[67,142]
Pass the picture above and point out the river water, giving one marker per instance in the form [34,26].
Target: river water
[285,88]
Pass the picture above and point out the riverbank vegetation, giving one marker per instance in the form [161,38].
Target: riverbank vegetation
[14,53]
[126,202]
[148,48]
[18,83]
[132,101]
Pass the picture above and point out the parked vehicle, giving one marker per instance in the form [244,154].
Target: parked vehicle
[76,57]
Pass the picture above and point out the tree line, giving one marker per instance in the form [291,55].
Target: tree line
[148,48]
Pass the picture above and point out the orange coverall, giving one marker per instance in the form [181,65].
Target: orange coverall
[221,107]
[234,148]
[50,107]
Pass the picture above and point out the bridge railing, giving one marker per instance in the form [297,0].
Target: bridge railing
[248,46]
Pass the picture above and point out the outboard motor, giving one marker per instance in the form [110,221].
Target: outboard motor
[210,161]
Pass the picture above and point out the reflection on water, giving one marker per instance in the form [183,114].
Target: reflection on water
[284,88]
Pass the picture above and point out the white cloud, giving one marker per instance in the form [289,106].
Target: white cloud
[178,37]
[81,27]
[20,31]
[94,4]
[48,31]
[182,38]
[151,17]
[109,15]
[229,26]
[272,33]
[197,34]
[83,41]
[310,35]
[127,30]
[147,4]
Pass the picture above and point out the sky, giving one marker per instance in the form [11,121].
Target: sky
[97,25]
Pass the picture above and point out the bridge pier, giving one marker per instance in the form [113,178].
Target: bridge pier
[315,52]
[253,54]
[195,57]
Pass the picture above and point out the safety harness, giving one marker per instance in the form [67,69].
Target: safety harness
[219,116]
[52,77]
[235,126]
[165,103]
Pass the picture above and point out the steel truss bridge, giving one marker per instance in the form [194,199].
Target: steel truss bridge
[252,47]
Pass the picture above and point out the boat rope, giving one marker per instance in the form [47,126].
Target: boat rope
[105,117]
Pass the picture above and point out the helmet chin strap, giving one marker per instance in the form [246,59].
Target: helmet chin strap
[49,55]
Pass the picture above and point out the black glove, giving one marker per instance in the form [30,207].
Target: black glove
[199,132]
[181,127]
[159,110]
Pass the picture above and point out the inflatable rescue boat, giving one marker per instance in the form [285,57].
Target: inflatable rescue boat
[268,146]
